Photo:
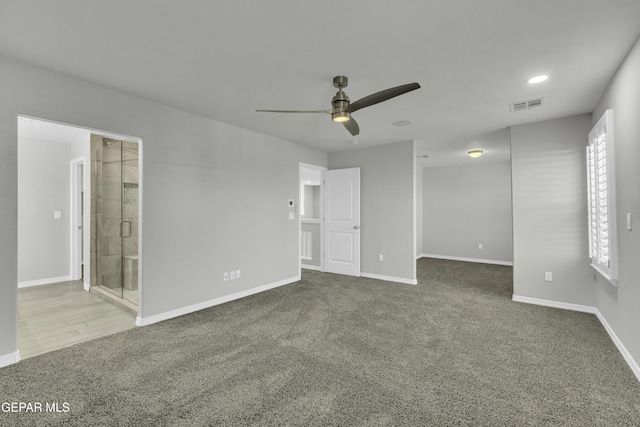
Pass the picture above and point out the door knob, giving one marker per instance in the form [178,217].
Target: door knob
[356,227]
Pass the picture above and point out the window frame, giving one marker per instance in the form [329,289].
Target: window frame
[601,198]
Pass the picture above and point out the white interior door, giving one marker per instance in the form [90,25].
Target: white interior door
[342,221]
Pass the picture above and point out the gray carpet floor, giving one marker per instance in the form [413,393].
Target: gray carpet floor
[333,350]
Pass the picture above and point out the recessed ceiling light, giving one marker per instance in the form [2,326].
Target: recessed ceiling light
[537,79]
[401,123]
[475,153]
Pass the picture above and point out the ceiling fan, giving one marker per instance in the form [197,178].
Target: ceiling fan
[342,107]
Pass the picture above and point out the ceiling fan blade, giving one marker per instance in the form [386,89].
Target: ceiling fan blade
[296,111]
[352,126]
[381,96]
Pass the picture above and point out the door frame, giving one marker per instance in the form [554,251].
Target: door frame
[78,228]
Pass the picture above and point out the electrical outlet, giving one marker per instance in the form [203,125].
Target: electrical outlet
[548,276]
[226,276]
[380,257]
[232,276]
[237,274]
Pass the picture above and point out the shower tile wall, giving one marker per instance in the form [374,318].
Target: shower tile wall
[110,178]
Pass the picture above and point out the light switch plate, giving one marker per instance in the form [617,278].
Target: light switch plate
[291,215]
[629,225]
[57,214]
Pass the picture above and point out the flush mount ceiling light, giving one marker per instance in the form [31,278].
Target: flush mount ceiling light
[537,79]
[401,123]
[475,153]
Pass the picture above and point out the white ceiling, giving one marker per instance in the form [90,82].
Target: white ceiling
[50,132]
[310,176]
[41,130]
[225,59]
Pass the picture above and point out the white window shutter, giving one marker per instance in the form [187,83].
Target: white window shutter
[601,198]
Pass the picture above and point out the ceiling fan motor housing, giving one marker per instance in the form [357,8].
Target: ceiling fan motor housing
[340,101]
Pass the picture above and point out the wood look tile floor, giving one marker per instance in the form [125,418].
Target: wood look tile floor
[63,314]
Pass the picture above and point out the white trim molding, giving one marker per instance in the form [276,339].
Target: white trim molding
[389,278]
[555,304]
[47,281]
[9,359]
[87,286]
[311,267]
[145,321]
[586,309]
[623,350]
[457,258]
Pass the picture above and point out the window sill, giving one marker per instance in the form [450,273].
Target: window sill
[605,275]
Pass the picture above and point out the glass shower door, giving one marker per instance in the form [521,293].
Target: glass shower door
[114,216]
[111,244]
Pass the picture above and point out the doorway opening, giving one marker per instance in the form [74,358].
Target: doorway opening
[78,203]
[330,219]
[310,215]
[57,224]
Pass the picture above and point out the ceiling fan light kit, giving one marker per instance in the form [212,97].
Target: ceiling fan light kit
[342,107]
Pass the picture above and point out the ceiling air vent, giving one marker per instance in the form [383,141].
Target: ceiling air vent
[526,105]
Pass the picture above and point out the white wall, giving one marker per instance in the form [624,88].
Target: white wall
[620,305]
[387,207]
[214,196]
[467,205]
[43,174]
[550,210]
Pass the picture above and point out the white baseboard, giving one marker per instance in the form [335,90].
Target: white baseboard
[144,321]
[555,304]
[311,267]
[47,281]
[87,287]
[457,258]
[9,359]
[623,350]
[390,278]
[592,310]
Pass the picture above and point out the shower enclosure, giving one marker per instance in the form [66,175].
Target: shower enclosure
[114,218]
